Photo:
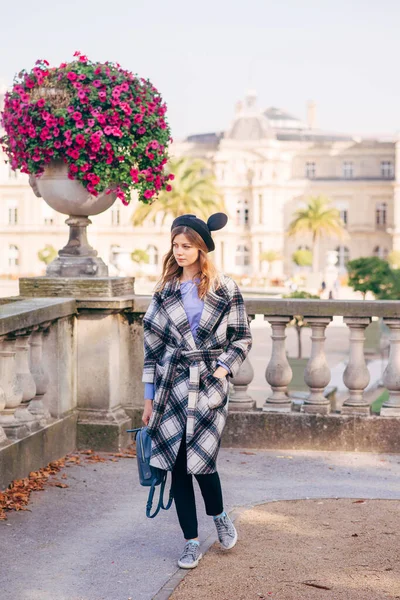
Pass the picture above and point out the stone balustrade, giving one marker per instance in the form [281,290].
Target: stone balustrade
[357,315]
[70,373]
[24,375]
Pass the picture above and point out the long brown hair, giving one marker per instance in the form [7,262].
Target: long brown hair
[208,274]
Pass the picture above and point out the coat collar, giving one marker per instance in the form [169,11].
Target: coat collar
[215,303]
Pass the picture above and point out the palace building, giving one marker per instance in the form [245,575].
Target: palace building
[267,164]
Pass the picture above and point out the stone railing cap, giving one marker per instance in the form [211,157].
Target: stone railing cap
[34,311]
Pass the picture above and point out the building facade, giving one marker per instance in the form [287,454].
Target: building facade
[267,165]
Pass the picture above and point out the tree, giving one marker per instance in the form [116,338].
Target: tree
[140,256]
[298,321]
[370,274]
[302,258]
[47,254]
[194,191]
[317,218]
[270,256]
[394,259]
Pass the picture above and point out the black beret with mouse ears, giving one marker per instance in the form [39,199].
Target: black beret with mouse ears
[215,222]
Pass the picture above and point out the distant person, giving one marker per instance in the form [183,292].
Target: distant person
[196,333]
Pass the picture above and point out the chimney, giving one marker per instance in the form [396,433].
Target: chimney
[311,114]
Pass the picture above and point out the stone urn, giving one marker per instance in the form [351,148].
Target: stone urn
[70,197]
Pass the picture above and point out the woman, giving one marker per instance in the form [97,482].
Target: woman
[196,333]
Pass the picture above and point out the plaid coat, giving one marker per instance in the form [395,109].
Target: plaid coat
[186,393]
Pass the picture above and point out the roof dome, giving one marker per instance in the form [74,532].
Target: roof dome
[249,123]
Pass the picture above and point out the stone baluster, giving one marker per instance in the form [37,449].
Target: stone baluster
[37,407]
[240,398]
[278,373]
[25,380]
[11,386]
[356,375]
[3,437]
[391,376]
[317,373]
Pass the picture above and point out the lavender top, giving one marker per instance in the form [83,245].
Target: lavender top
[193,308]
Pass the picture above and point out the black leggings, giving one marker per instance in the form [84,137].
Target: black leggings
[182,485]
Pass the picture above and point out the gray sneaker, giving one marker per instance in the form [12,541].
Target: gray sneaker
[190,556]
[227,533]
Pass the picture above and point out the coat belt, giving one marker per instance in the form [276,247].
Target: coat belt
[167,382]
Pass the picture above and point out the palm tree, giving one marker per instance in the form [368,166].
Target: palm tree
[318,218]
[193,191]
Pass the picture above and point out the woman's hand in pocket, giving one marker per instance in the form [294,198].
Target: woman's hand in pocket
[220,373]
[148,409]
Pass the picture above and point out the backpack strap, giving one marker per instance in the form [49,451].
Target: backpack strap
[161,503]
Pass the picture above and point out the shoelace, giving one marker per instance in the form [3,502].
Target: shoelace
[223,526]
[189,551]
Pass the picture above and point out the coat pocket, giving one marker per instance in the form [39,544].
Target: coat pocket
[217,391]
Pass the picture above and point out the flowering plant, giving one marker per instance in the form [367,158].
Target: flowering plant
[105,123]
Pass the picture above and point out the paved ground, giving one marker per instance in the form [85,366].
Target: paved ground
[92,541]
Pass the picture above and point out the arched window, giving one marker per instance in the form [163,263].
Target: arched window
[153,255]
[381,252]
[13,256]
[381,214]
[242,213]
[343,256]
[242,258]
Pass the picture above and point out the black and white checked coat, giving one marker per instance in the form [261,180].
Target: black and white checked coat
[186,393]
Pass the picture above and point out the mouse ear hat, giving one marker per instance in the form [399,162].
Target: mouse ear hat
[215,222]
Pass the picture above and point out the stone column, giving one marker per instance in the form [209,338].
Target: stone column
[356,375]
[102,421]
[25,380]
[278,373]
[391,376]
[3,437]
[39,374]
[317,374]
[240,399]
[13,428]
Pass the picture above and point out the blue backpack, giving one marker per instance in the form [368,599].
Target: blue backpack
[150,476]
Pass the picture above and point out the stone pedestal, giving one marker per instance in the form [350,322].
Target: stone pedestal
[100,349]
[76,287]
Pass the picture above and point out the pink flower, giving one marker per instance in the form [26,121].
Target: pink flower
[82,77]
[77,116]
[77,53]
[61,121]
[57,144]
[171,176]
[63,65]
[148,194]
[70,109]
[138,119]
[45,115]
[85,167]
[83,58]
[154,144]
[40,103]
[124,87]
[81,95]
[141,130]
[72,76]
[102,96]
[80,140]
[108,130]
[80,124]
[73,168]
[97,83]
[91,122]
[150,155]
[168,188]
[56,131]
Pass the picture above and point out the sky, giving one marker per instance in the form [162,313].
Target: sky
[203,56]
